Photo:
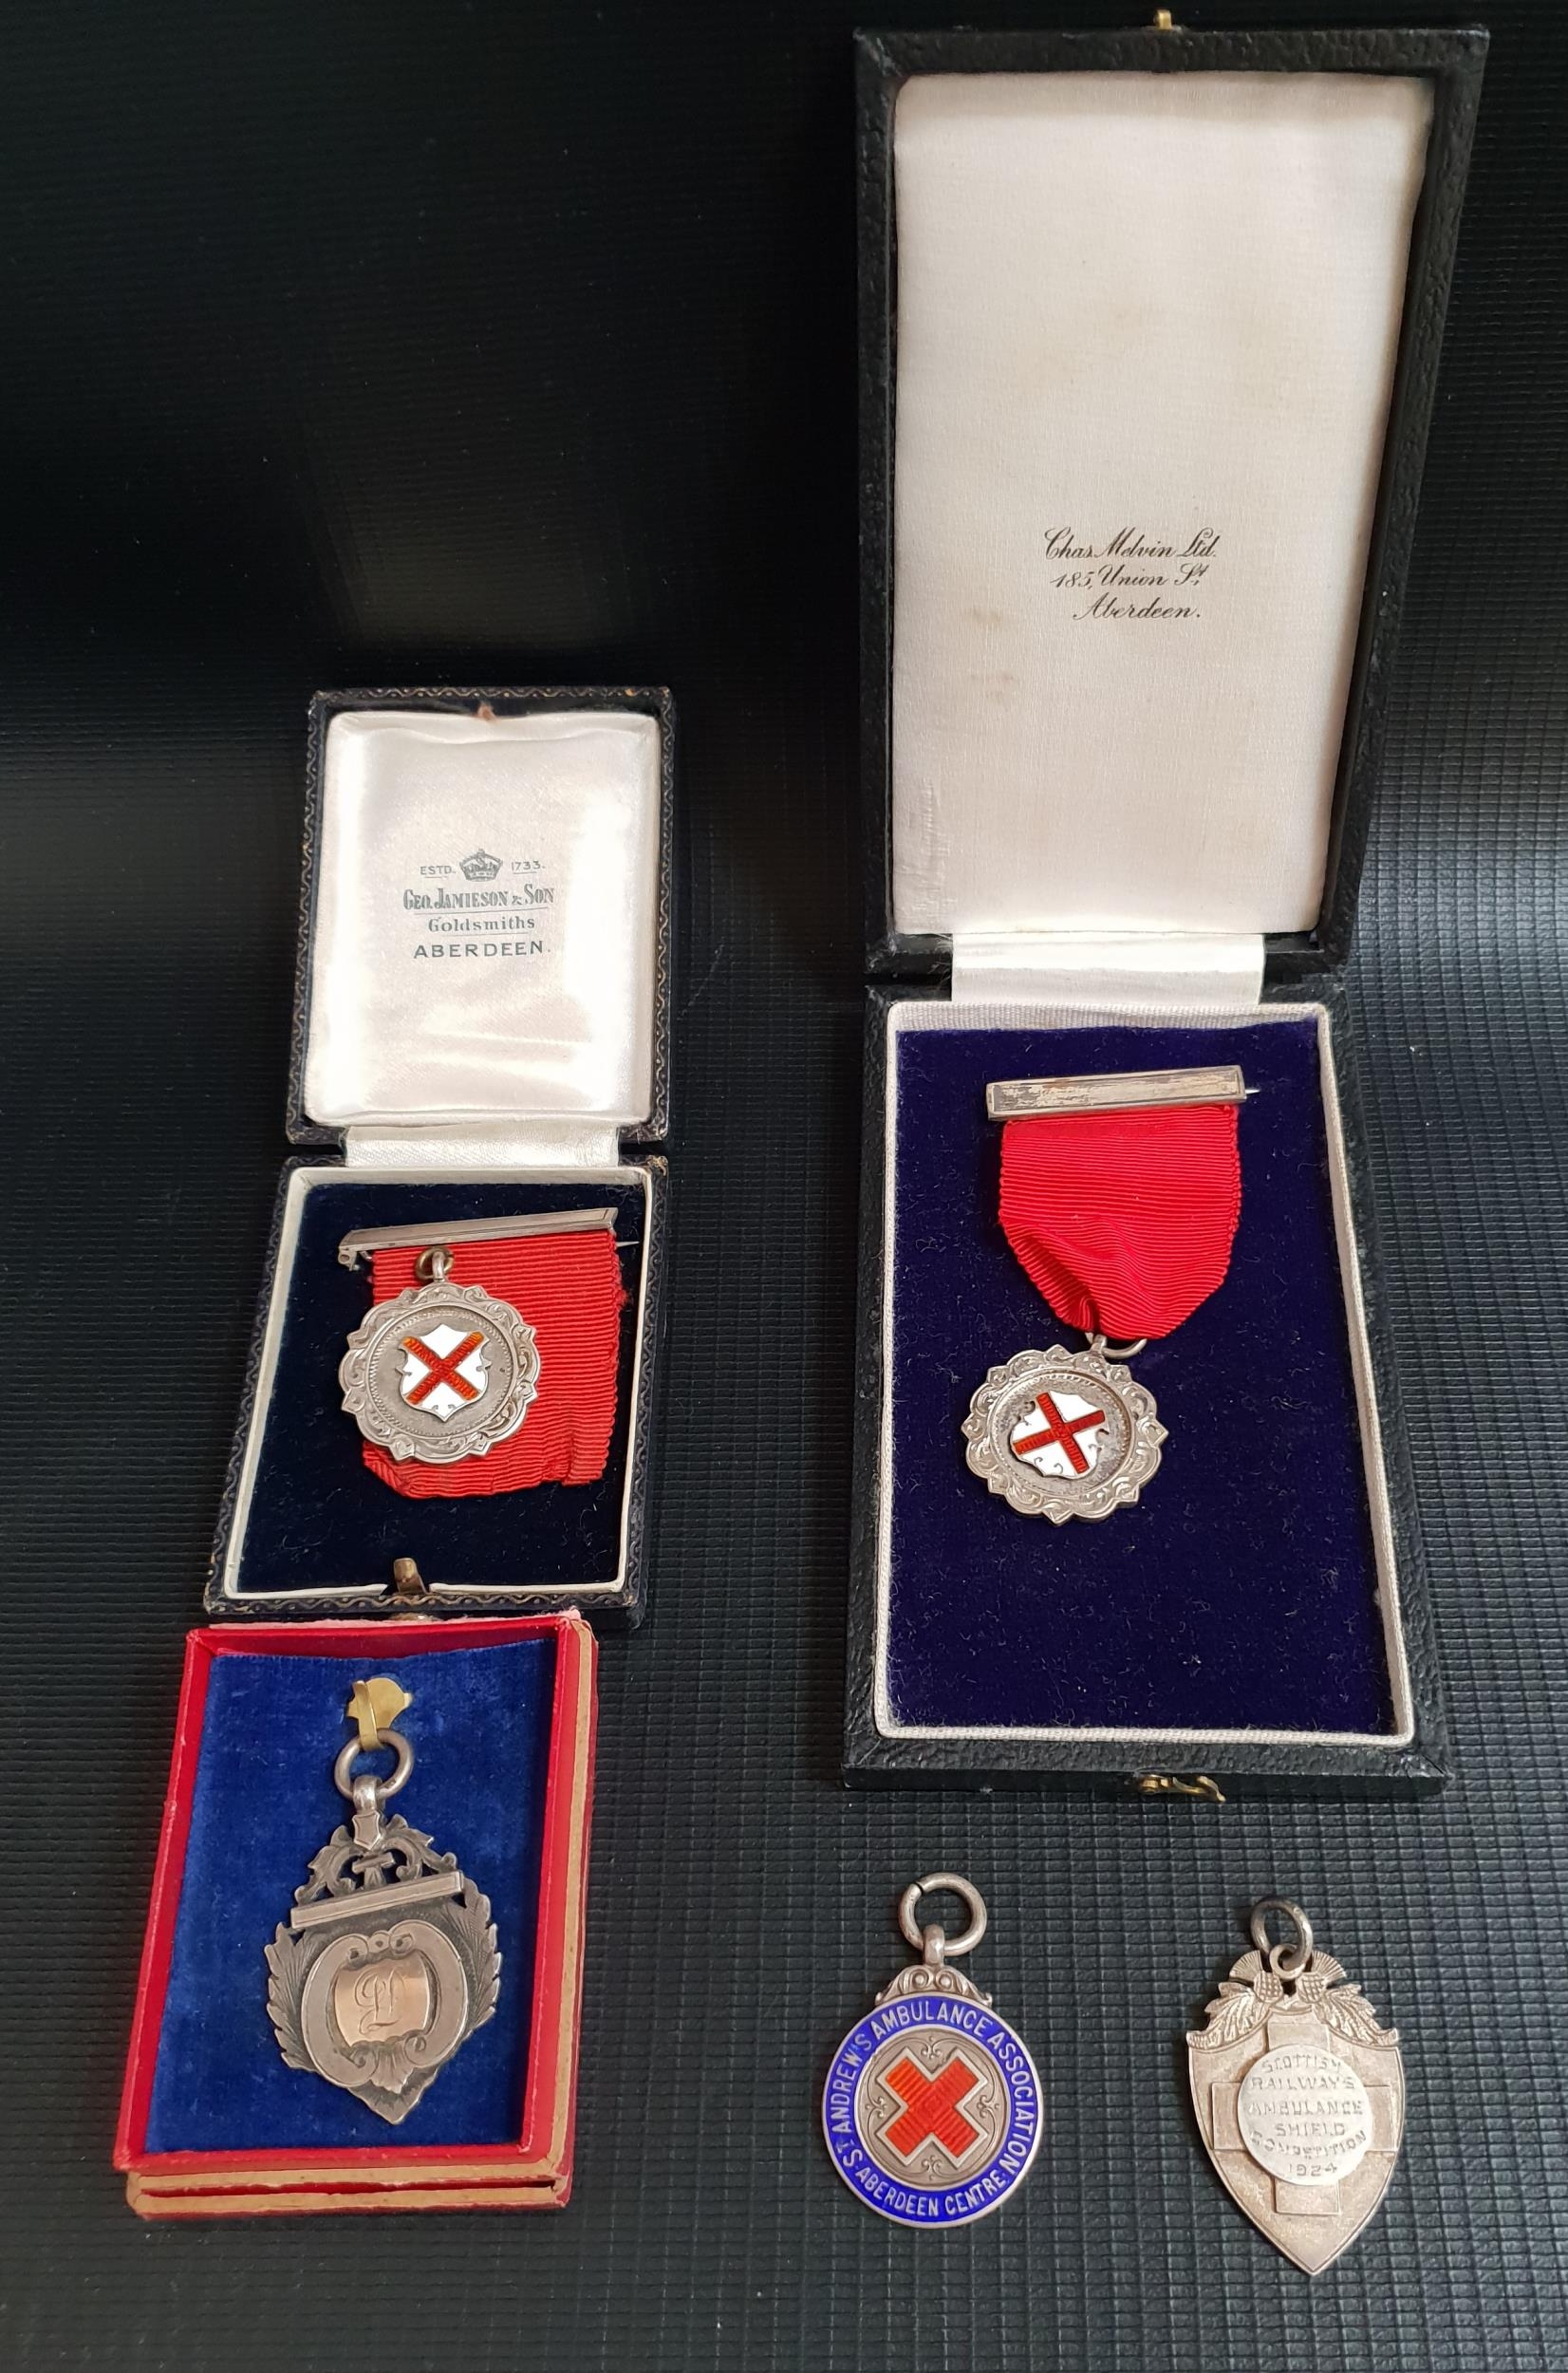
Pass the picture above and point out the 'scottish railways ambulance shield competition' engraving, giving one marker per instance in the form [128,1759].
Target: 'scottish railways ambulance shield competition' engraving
[1299,2093]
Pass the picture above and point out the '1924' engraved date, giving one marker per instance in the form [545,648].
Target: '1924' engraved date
[1132,574]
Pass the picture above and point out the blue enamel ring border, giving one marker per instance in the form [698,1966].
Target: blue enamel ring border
[971,2195]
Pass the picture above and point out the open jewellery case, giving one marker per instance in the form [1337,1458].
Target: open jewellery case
[215,2119]
[1151,324]
[481,1032]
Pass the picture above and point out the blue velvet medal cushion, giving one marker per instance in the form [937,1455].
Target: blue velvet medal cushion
[264,1803]
[1241,1592]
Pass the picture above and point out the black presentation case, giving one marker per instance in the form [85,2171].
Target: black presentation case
[977,1616]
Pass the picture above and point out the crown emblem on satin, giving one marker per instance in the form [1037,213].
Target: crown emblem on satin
[481,866]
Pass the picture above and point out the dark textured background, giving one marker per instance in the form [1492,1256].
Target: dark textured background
[396,342]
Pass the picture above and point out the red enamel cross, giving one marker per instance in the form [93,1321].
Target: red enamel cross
[1060,1430]
[443,1368]
[930,2109]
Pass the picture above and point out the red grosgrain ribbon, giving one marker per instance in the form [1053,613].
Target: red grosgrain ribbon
[568,1289]
[1124,1221]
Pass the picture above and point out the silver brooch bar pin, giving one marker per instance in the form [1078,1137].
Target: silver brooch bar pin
[1116,1091]
[363,1240]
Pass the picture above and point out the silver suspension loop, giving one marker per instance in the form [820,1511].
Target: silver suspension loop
[1117,1351]
[1284,1960]
[342,1773]
[933,1943]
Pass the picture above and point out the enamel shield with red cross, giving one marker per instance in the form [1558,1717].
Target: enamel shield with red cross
[444,1370]
[1060,1433]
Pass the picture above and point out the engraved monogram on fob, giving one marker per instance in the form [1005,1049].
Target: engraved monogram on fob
[388,1962]
[1299,2093]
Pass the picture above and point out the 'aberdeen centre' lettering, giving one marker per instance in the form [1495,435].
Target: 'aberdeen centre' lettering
[942,2088]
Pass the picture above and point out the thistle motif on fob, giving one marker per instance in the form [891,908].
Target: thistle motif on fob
[1299,2093]
[388,1962]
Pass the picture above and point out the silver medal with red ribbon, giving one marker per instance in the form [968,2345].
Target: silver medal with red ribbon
[440,1372]
[1120,1198]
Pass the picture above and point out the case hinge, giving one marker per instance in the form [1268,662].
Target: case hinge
[1175,1784]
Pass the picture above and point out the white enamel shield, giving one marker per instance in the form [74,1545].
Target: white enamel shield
[444,1370]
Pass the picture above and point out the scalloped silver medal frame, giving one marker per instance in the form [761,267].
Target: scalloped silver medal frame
[1128,1454]
[370,1374]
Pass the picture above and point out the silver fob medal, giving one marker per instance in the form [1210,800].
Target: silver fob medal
[1299,2093]
[932,2107]
[388,1962]
[440,1371]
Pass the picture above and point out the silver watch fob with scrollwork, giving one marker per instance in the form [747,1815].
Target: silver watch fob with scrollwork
[388,1962]
[932,2107]
[440,1371]
[1299,2093]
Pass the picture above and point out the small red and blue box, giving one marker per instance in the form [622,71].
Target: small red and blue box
[213,2121]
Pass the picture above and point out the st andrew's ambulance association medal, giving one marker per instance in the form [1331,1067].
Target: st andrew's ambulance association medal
[388,1962]
[1120,1197]
[932,2108]
[1064,1433]
[475,1326]
[442,1372]
[1299,2093]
